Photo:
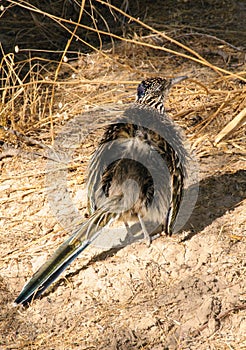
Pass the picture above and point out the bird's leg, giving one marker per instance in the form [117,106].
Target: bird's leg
[129,237]
[129,231]
[145,232]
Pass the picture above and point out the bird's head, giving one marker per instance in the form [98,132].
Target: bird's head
[153,91]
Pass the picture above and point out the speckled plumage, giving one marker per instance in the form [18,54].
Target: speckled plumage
[136,173]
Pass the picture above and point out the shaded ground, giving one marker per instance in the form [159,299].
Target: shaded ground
[183,19]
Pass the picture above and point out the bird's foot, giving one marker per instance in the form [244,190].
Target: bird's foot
[155,237]
[147,239]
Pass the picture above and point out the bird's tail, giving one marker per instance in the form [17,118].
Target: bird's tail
[66,253]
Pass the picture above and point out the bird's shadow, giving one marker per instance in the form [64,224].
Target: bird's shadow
[217,194]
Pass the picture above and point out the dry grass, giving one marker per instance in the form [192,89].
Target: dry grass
[48,91]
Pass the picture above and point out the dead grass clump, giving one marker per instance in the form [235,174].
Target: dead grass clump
[44,97]
[48,93]
[25,99]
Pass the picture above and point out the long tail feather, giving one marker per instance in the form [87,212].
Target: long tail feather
[64,255]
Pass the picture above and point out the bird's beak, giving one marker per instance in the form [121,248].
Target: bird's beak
[178,79]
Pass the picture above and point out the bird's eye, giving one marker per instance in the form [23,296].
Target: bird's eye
[141,91]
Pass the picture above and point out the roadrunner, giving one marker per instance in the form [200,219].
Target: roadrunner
[137,173]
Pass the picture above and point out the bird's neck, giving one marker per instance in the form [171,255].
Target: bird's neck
[155,103]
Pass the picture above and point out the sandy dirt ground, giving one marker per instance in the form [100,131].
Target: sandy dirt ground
[184,292]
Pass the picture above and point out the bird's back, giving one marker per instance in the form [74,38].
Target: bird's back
[141,157]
